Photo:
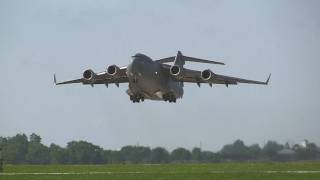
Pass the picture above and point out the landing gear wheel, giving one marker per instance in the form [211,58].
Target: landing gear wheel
[137,98]
[169,97]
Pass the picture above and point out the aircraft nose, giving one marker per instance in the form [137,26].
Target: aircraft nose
[136,61]
[136,64]
[133,68]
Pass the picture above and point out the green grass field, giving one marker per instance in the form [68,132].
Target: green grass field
[245,171]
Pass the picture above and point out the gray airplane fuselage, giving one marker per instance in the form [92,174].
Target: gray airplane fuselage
[150,79]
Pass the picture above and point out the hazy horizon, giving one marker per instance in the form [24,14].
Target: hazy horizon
[254,38]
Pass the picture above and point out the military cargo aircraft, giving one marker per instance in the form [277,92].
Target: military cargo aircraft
[156,79]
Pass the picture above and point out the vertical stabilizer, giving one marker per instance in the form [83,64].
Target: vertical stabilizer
[179,60]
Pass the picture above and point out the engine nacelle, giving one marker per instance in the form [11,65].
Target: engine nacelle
[207,74]
[89,75]
[176,71]
[112,70]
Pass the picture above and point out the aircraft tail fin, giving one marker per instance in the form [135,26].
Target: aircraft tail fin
[179,59]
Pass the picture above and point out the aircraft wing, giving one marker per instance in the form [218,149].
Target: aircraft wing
[100,78]
[240,80]
[192,76]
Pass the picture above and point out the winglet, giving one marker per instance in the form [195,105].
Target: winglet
[54,79]
[267,82]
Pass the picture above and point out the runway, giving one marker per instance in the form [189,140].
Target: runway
[140,172]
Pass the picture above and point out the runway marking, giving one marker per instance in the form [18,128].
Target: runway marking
[67,173]
[294,172]
[272,172]
[141,172]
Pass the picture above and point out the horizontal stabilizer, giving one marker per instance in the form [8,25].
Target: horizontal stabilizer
[190,59]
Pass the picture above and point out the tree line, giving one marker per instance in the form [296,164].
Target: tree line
[20,149]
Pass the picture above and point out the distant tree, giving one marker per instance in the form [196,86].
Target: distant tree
[287,146]
[107,156]
[307,152]
[16,149]
[113,157]
[3,145]
[159,155]
[144,154]
[196,154]
[271,148]
[136,154]
[37,153]
[236,151]
[82,152]
[208,156]
[3,141]
[254,151]
[128,154]
[58,155]
[34,138]
[180,155]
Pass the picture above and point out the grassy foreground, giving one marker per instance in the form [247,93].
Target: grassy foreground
[245,171]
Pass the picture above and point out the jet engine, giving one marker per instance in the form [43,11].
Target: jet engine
[207,74]
[176,71]
[89,75]
[113,70]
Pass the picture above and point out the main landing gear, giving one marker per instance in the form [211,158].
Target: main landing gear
[169,97]
[137,98]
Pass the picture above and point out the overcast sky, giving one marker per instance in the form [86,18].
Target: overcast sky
[254,38]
